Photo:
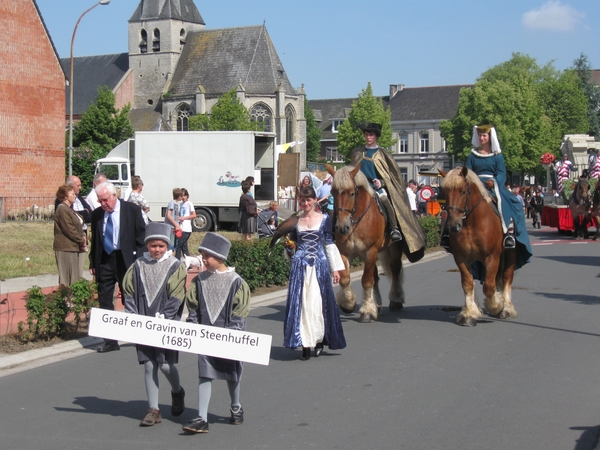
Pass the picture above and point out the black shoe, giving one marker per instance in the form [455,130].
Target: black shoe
[109,348]
[395,235]
[539,226]
[509,241]
[237,415]
[197,425]
[318,349]
[305,354]
[177,402]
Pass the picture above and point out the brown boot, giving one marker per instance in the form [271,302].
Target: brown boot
[152,417]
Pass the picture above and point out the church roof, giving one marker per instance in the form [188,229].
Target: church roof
[184,10]
[426,103]
[221,59]
[91,72]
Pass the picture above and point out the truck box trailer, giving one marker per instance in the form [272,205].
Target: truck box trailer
[211,165]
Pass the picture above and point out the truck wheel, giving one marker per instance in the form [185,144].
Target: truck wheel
[203,221]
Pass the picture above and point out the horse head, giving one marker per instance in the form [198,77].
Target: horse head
[581,193]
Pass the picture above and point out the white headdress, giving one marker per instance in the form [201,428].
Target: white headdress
[493,139]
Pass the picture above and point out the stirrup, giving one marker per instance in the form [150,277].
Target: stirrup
[395,235]
[509,241]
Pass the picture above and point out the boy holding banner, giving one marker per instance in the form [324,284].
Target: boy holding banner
[155,286]
[218,297]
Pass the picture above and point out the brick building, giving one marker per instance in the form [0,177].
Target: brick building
[32,107]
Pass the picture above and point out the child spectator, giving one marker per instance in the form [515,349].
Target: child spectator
[136,196]
[186,214]
[221,298]
[154,286]
[172,216]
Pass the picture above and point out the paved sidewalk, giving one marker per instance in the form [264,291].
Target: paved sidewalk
[10,364]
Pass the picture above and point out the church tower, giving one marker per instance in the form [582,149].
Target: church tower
[157,34]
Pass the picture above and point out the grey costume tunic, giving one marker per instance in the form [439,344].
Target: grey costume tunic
[154,287]
[220,299]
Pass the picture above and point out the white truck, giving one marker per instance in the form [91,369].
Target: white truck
[210,164]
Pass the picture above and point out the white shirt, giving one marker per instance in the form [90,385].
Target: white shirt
[412,199]
[184,211]
[92,200]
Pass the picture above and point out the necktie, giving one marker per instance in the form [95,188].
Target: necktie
[108,235]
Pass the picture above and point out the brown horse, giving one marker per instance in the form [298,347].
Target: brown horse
[596,210]
[579,204]
[360,231]
[476,238]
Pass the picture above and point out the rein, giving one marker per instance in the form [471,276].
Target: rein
[466,211]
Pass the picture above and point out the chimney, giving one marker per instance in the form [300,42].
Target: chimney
[394,89]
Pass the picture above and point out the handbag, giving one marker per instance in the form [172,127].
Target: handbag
[251,210]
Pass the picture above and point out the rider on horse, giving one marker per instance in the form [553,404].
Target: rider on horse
[382,172]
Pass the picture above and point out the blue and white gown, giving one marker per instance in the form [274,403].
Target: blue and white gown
[311,314]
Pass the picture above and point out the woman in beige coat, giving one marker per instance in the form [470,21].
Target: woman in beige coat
[69,240]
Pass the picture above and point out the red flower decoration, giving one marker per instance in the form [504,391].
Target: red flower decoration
[547,158]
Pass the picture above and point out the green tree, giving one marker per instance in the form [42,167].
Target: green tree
[530,106]
[583,70]
[366,109]
[101,128]
[229,114]
[313,134]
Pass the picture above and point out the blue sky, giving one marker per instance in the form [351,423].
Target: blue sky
[335,47]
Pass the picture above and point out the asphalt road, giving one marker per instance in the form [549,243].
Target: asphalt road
[413,380]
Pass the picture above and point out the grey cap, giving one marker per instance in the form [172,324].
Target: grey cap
[216,245]
[157,230]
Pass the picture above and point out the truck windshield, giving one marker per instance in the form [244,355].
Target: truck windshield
[110,170]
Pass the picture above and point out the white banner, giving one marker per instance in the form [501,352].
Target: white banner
[188,337]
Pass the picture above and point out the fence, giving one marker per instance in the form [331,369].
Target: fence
[26,208]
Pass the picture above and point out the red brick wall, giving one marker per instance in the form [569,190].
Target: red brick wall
[32,105]
[124,93]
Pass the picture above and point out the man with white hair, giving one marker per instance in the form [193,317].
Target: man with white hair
[118,231]
[92,197]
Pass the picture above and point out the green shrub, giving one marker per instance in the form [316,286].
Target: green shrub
[47,314]
[431,227]
[569,185]
[258,267]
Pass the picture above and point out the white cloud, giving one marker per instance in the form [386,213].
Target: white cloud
[554,16]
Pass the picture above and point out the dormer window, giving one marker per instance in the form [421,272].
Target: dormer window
[181,39]
[335,124]
[143,41]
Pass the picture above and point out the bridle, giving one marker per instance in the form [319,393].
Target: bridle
[352,211]
[466,211]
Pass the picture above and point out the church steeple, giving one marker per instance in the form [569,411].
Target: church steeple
[157,34]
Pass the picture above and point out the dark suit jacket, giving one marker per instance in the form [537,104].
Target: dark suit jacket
[132,233]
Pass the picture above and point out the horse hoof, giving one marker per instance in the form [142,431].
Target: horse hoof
[396,306]
[366,318]
[347,310]
[466,321]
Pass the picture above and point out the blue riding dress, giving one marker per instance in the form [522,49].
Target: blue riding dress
[491,166]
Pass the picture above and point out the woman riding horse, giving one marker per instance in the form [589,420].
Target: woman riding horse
[487,162]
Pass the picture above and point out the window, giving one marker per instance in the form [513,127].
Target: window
[156,41]
[183,118]
[424,141]
[331,154]
[289,124]
[260,113]
[181,39]
[403,173]
[143,41]
[404,143]
[444,146]
[335,124]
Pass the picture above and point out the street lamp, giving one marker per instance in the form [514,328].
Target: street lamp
[101,2]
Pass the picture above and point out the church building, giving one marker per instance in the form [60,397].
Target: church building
[176,67]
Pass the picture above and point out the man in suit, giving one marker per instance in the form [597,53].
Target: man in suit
[118,230]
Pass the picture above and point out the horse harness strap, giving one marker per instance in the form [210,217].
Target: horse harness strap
[466,211]
[353,210]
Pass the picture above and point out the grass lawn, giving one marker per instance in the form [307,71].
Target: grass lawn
[26,248]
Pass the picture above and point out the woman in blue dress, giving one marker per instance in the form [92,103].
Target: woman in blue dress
[487,162]
[311,316]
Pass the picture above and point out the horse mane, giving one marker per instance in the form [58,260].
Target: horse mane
[454,180]
[342,180]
